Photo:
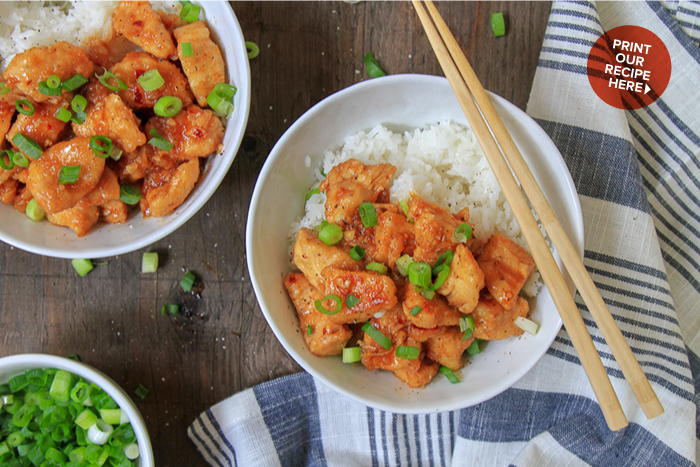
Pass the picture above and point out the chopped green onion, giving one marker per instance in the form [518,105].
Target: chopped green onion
[19,158]
[80,392]
[527,325]
[170,309]
[404,207]
[443,260]
[357,253]
[220,99]
[63,115]
[351,301]
[101,146]
[53,82]
[108,75]
[352,354]
[34,211]
[440,278]
[420,274]
[475,347]
[407,352]
[159,140]
[27,146]
[24,107]
[415,310]
[111,416]
[449,374]
[186,48]
[378,267]
[60,387]
[79,103]
[338,304]
[403,263]
[47,90]
[309,330]
[99,434]
[4,89]
[375,334]
[129,194]
[71,84]
[69,174]
[168,106]
[372,67]
[462,233]
[427,293]
[330,234]
[187,282]
[132,451]
[315,191]
[149,262]
[498,24]
[466,325]
[10,163]
[141,392]
[151,80]
[82,266]
[190,12]
[116,153]
[253,49]
[368,214]
[79,118]
[17,383]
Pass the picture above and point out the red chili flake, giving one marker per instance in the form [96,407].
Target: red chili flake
[198,133]
[138,23]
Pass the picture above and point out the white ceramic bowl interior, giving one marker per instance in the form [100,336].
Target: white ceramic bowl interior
[399,102]
[114,239]
[17,364]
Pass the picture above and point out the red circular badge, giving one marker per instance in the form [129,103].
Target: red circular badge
[629,67]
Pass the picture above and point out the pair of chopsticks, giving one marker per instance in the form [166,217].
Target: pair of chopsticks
[475,103]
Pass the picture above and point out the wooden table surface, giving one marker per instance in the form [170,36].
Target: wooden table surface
[222,344]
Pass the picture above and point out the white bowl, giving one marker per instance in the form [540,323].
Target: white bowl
[113,239]
[398,102]
[17,364]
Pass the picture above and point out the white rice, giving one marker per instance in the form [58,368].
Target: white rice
[443,164]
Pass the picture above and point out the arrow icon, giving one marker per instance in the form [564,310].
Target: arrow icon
[646,88]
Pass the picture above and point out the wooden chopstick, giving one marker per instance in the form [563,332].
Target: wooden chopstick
[588,355]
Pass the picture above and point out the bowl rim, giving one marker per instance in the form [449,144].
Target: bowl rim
[204,192]
[268,168]
[35,360]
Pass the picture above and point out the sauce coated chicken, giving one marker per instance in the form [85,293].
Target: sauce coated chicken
[79,146]
[417,279]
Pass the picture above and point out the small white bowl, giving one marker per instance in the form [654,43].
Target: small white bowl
[17,364]
[399,102]
[114,239]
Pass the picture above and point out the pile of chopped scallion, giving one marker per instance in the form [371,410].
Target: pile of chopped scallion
[52,417]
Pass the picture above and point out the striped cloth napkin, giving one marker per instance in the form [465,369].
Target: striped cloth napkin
[638,178]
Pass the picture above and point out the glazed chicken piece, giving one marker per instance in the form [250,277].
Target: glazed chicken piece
[350,184]
[95,92]
[29,68]
[312,256]
[6,113]
[393,326]
[448,347]
[422,335]
[80,218]
[24,196]
[193,132]
[137,22]
[393,237]
[110,117]
[114,212]
[107,189]
[133,166]
[42,127]
[506,267]
[8,185]
[465,281]
[205,68]
[493,322]
[376,294]
[165,190]
[420,377]
[357,234]
[433,313]
[52,196]
[134,64]
[326,337]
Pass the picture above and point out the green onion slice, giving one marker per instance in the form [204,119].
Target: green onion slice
[54,82]
[82,266]
[357,253]
[101,146]
[159,140]
[220,99]
[120,85]
[449,374]
[63,115]
[368,214]
[338,304]
[60,387]
[309,330]
[462,233]
[498,24]
[475,347]
[170,309]
[403,263]
[415,310]
[351,301]
[440,278]
[253,49]
[47,90]
[466,325]
[420,274]
[187,282]
[79,118]
[19,158]
[129,194]
[315,191]
[149,262]
[10,164]
[527,325]
[73,83]
[186,48]
[443,260]
[372,67]
[79,103]
[24,107]
[404,207]
[378,267]
[4,89]
[141,392]
[151,80]
[407,352]
[427,293]
[34,211]
[69,174]
[352,354]
[375,334]
[27,146]
[168,106]
[190,12]
[330,234]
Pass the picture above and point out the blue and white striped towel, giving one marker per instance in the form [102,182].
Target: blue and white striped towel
[638,177]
